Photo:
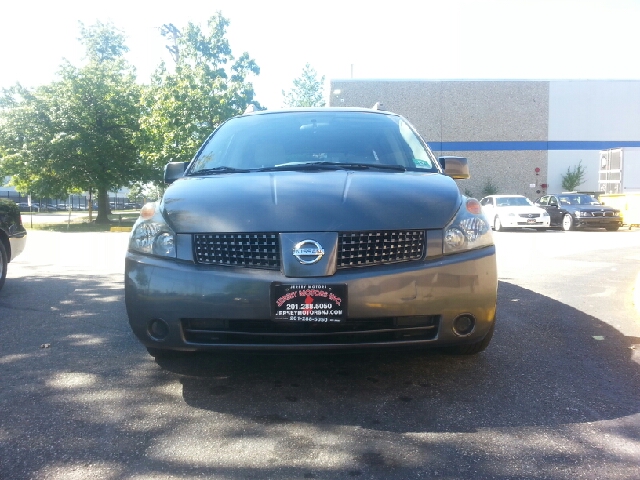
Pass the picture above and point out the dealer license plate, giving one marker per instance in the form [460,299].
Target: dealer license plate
[531,220]
[310,303]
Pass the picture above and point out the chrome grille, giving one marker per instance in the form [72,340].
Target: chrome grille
[357,249]
[529,215]
[262,250]
[257,250]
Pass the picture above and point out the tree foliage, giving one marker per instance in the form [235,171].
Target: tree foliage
[574,177]
[27,142]
[96,130]
[489,188]
[76,134]
[102,42]
[206,86]
[307,90]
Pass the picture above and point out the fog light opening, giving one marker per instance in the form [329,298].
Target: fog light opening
[158,329]
[464,325]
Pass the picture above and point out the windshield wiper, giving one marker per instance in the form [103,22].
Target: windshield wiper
[332,166]
[364,166]
[216,170]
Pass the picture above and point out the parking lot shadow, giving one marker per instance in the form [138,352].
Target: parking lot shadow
[555,387]
[549,364]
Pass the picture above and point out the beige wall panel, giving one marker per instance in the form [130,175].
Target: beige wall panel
[511,172]
[468,111]
[454,111]
[417,101]
[494,111]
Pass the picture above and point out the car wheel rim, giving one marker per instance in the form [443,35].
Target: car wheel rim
[566,222]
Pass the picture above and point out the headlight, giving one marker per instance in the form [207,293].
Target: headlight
[151,234]
[468,230]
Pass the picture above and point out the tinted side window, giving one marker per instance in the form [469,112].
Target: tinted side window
[419,154]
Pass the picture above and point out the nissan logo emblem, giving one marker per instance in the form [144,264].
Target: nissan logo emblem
[308,252]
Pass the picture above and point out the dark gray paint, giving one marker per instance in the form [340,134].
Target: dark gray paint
[310,201]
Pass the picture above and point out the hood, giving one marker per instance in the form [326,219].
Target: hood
[310,201]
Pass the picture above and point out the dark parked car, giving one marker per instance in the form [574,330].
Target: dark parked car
[50,207]
[132,206]
[25,207]
[13,235]
[576,210]
[312,229]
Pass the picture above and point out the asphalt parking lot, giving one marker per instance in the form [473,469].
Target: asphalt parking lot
[554,396]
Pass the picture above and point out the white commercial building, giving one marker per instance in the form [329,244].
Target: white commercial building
[519,136]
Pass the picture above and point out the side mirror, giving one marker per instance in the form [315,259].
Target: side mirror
[173,171]
[455,167]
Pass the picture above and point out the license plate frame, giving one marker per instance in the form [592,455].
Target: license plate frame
[309,303]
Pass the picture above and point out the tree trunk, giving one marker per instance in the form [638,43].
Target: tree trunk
[90,205]
[103,206]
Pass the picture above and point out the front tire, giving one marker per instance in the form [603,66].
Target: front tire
[612,229]
[567,223]
[4,260]
[497,224]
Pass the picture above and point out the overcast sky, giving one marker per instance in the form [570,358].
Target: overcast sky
[447,39]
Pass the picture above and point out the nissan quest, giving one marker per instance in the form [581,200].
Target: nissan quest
[312,229]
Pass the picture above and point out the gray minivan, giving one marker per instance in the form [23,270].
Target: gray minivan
[312,229]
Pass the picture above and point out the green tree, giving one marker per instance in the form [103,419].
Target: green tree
[28,141]
[183,105]
[307,90]
[76,134]
[574,177]
[103,42]
[489,188]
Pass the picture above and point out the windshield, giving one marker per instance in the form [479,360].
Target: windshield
[513,202]
[290,139]
[577,200]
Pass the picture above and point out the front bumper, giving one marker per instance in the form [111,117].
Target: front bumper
[213,307]
[17,241]
[597,222]
[522,222]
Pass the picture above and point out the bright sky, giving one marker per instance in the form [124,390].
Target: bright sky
[425,39]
